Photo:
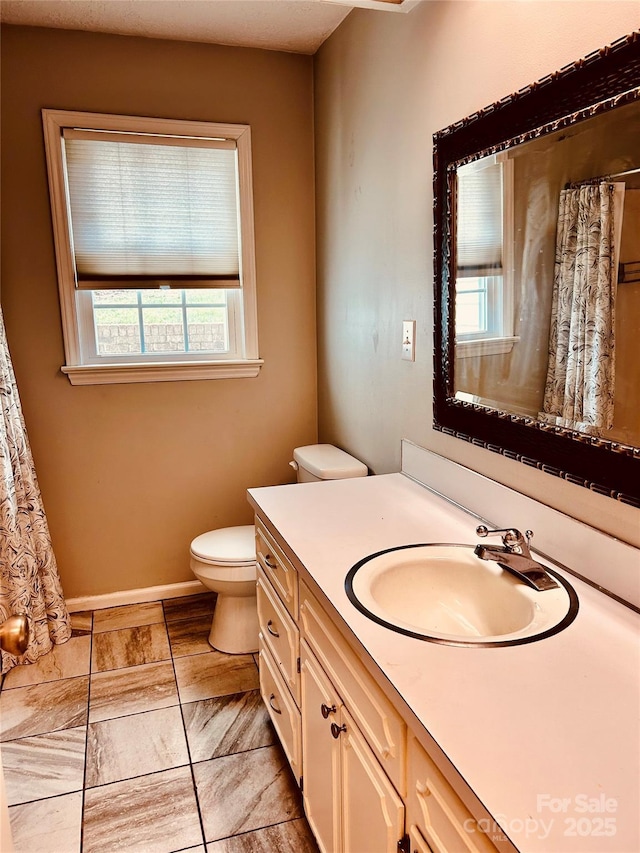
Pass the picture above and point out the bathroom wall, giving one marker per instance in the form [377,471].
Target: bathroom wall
[384,83]
[131,473]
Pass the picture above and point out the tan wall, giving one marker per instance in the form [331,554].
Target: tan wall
[384,84]
[131,473]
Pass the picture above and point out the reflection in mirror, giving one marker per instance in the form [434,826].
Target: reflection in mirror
[547,278]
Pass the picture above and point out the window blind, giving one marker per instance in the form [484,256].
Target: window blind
[479,220]
[152,212]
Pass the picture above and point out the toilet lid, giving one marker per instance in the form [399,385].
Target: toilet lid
[233,545]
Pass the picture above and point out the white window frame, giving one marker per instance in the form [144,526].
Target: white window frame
[502,308]
[81,367]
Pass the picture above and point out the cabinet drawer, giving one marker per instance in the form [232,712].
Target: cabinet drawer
[282,710]
[280,634]
[373,713]
[277,568]
[445,821]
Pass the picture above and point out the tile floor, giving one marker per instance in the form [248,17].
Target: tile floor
[137,736]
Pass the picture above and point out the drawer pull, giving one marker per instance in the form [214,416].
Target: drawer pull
[269,563]
[272,706]
[326,710]
[336,729]
[270,629]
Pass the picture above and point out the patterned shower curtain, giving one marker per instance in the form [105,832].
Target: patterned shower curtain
[29,581]
[579,391]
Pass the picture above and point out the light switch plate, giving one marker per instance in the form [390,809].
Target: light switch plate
[409,340]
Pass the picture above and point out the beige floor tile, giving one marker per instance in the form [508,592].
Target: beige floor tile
[294,836]
[47,825]
[44,765]
[135,746]
[66,660]
[243,792]
[132,690]
[226,725]
[189,606]
[140,796]
[189,636]
[129,647]
[81,622]
[214,674]
[127,616]
[41,708]
[150,814]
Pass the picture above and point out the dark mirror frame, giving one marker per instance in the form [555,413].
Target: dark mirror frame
[602,81]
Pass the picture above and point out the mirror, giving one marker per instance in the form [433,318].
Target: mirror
[537,274]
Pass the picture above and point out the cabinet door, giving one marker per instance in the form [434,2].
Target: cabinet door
[417,843]
[374,714]
[372,811]
[320,754]
[436,808]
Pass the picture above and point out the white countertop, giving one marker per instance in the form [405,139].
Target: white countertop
[547,734]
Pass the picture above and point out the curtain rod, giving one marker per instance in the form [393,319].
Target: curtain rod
[600,178]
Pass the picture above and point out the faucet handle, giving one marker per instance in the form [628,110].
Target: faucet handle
[512,538]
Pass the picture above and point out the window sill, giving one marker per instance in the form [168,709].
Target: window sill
[175,371]
[488,346]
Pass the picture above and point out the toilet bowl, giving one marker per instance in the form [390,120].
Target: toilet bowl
[224,560]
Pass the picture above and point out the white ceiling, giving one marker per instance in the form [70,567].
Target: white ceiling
[299,26]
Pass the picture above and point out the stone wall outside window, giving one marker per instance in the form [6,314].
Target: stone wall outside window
[161,337]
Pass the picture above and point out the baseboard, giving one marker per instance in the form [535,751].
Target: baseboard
[134,596]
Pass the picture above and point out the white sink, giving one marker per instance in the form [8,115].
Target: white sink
[446,594]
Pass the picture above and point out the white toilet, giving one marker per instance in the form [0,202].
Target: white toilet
[224,560]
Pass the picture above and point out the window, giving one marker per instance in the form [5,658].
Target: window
[153,228]
[484,278]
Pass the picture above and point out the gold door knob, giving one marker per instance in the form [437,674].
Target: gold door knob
[14,635]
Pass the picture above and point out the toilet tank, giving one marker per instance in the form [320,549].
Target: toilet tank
[317,462]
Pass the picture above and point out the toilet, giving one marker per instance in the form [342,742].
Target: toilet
[224,560]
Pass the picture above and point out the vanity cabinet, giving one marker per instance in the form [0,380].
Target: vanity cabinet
[350,803]
[375,716]
[368,785]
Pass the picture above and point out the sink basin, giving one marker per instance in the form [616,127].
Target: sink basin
[445,594]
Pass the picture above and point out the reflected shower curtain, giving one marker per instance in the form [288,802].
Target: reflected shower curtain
[579,391]
[29,581]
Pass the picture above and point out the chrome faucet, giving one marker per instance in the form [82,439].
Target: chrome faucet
[514,556]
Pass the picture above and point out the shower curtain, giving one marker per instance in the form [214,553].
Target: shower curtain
[579,391]
[29,581]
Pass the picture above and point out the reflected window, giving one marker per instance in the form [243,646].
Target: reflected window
[484,272]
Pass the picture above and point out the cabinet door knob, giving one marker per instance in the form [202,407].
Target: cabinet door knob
[326,710]
[272,706]
[421,788]
[269,562]
[336,729]
[270,629]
